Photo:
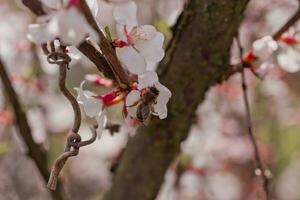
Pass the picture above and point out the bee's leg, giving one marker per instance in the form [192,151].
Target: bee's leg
[153,111]
[134,104]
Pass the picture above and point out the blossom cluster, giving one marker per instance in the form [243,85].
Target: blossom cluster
[138,48]
[267,53]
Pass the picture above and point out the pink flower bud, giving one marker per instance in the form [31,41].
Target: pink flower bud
[98,80]
[74,3]
[111,98]
[249,57]
[288,39]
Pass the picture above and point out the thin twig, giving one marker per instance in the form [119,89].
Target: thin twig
[35,151]
[288,24]
[57,167]
[59,163]
[70,97]
[74,140]
[258,163]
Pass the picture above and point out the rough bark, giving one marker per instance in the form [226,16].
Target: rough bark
[197,58]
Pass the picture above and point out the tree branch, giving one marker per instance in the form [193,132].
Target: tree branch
[86,48]
[35,151]
[108,51]
[197,57]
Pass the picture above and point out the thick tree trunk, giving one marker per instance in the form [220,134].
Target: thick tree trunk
[196,59]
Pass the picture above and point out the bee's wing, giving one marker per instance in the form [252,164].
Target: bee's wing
[143,113]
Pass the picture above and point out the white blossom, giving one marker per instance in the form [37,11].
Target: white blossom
[137,45]
[289,56]
[149,79]
[93,107]
[264,47]
[289,60]
[67,24]
[101,121]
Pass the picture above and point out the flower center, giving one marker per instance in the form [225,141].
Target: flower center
[249,57]
[288,39]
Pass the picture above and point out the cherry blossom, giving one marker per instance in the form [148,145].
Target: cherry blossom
[101,121]
[137,46]
[67,24]
[260,57]
[146,81]
[264,47]
[289,60]
[92,106]
[289,56]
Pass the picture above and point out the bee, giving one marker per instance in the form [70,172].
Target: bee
[145,104]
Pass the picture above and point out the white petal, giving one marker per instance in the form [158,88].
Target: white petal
[264,68]
[125,14]
[38,33]
[289,60]
[264,47]
[147,79]
[163,90]
[152,50]
[161,110]
[54,4]
[74,53]
[132,111]
[92,106]
[133,97]
[121,32]
[132,60]
[101,121]
[161,102]
[143,33]
[93,5]
[80,94]
[71,27]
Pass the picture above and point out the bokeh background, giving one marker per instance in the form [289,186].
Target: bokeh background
[216,162]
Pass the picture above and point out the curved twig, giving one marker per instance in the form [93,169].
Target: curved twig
[74,139]
[57,167]
[70,97]
[79,144]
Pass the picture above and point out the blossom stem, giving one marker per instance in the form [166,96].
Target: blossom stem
[258,163]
